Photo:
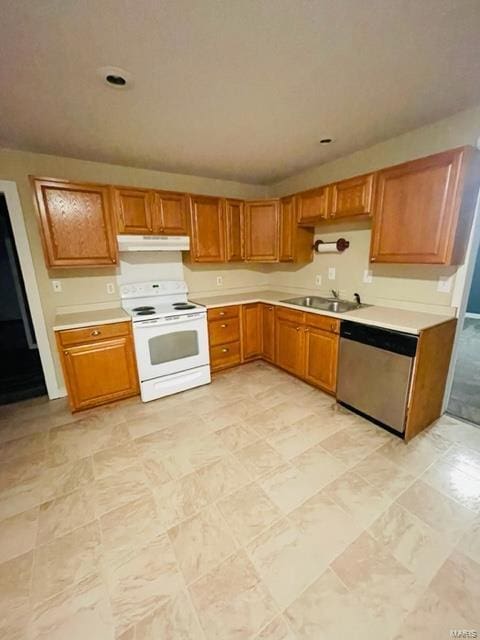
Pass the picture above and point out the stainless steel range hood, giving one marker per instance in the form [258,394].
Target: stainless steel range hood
[153,243]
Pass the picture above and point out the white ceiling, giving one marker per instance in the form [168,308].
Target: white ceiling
[240,89]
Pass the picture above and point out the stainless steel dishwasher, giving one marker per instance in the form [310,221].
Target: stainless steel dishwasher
[374,372]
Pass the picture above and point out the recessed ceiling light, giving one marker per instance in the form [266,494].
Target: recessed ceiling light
[115,77]
[326,140]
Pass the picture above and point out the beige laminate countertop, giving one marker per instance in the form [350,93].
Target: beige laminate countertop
[88,318]
[377,316]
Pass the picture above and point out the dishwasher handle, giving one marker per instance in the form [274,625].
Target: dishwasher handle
[395,341]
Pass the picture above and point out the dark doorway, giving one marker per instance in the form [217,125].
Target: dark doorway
[21,374]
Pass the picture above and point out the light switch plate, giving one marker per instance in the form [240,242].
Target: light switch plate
[318,280]
[444,284]
[110,287]
[219,281]
[57,286]
[367,276]
[332,273]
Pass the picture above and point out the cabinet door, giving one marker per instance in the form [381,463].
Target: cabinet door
[234,230]
[289,345]
[207,228]
[251,330]
[268,332]
[353,197]
[76,223]
[134,210]
[171,213]
[416,210]
[287,229]
[312,206]
[261,231]
[100,372]
[321,355]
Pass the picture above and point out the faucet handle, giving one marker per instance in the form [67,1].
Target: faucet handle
[357,298]
[335,293]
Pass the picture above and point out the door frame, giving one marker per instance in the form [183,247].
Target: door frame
[15,213]
[460,295]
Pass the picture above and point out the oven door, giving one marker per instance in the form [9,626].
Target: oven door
[170,345]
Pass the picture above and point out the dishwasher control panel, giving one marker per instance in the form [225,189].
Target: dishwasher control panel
[394,341]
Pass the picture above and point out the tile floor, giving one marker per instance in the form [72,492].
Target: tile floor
[250,508]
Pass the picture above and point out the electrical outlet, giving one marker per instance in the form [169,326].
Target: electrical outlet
[110,287]
[367,276]
[219,281]
[57,286]
[444,284]
[332,273]
[318,280]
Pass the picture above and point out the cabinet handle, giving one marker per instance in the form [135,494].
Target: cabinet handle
[96,333]
[224,325]
[332,215]
[306,330]
[222,313]
[66,353]
[298,328]
[270,308]
[225,350]
[372,259]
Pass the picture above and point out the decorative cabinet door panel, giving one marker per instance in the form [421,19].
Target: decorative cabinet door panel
[252,330]
[268,332]
[312,205]
[208,229]
[321,355]
[234,220]
[171,212]
[134,210]
[76,223]
[352,197]
[261,231]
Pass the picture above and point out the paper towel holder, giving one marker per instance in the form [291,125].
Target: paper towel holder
[341,244]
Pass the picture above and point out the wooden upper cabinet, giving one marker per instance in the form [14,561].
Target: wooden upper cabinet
[312,206]
[134,210]
[76,223]
[261,231]
[353,197]
[234,230]
[296,243]
[251,330]
[170,213]
[419,215]
[321,356]
[207,228]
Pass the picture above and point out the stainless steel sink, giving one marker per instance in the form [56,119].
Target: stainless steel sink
[325,304]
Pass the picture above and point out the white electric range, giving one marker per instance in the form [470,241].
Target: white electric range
[171,337]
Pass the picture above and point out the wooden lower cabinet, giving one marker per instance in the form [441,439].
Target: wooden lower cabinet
[289,340]
[251,331]
[98,364]
[268,332]
[321,356]
[224,337]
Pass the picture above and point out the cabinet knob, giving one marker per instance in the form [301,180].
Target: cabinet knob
[298,328]
[96,333]
[222,313]
[332,215]
[224,325]
[372,259]
[66,353]
[225,350]
[270,308]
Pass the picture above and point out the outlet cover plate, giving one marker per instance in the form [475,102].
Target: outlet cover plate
[367,276]
[57,286]
[444,284]
[332,273]
[219,281]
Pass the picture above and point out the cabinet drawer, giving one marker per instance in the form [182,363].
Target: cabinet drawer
[223,331]
[225,355]
[224,312]
[290,314]
[93,333]
[322,322]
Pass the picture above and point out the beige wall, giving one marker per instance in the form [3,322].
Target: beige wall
[458,130]
[88,286]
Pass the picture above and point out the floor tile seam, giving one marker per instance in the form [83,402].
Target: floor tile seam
[443,459]
[368,481]
[446,495]
[463,530]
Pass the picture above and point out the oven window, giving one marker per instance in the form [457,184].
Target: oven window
[173,346]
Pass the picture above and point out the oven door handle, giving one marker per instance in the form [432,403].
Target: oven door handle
[145,324]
